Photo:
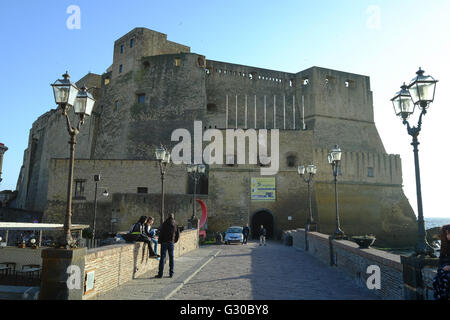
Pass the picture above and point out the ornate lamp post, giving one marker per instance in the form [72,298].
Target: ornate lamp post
[195,171]
[163,157]
[311,170]
[66,96]
[334,158]
[420,92]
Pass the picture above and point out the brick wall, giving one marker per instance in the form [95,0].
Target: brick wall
[319,246]
[114,265]
[353,261]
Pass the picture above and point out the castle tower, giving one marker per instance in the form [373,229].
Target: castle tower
[3,149]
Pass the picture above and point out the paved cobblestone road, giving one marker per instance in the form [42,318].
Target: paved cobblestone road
[274,272]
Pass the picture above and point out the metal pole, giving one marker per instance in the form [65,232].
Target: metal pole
[422,246]
[193,196]
[40,238]
[95,210]
[338,233]
[162,166]
[67,241]
[310,206]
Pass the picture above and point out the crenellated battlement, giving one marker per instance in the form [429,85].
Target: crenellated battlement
[361,167]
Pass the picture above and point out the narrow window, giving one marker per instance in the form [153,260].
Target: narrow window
[142,190]
[79,188]
[120,68]
[131,43]
[177,62]
[107,80]
[330,80]
[122,48]
[141,98]
[211,107]
[291,161]
[349,83]
[116,105]
[370,172]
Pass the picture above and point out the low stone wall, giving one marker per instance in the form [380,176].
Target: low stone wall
[21,256]
[319,246]
[116,264]
[355,262]
[347,257]
[428,275]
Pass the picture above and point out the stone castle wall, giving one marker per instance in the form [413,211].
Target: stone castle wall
[155,86]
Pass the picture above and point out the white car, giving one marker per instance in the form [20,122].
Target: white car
[234,235]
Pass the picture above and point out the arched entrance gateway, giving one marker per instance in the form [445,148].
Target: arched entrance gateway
[265,218]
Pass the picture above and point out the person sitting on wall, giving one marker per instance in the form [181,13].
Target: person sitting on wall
[151,233]
[441,282]
[138,230]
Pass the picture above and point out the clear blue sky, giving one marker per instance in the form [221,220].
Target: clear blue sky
[386,40]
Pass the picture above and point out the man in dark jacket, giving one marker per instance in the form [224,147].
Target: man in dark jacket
[245,232]
[168,236]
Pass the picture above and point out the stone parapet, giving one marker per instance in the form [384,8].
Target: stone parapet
[357,263]
[115,265]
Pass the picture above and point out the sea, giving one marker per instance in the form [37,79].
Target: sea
[435,222]
[429,223]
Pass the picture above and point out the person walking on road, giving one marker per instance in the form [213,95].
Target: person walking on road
[168,236]
[245,232]
[262,236]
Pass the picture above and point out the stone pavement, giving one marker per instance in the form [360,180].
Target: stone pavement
[274,272]
[147,287]
[243,272]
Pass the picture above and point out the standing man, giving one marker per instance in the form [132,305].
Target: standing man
[262,235]
[168,236]
[245,232]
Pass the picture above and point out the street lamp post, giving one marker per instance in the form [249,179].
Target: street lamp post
[68,95]
[97,178]
[310,170]
[420,92]
[195,171]
[334,158]
[163,157]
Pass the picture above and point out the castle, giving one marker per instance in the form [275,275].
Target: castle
[155,86]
